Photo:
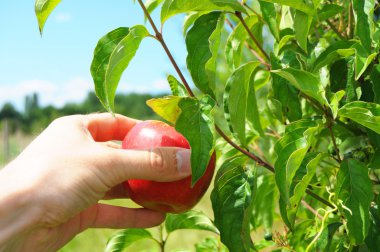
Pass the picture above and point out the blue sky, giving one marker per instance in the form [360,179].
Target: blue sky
[57,64]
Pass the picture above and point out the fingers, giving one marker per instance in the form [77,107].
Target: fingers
[105,127]
[107,216]
[111,144]
[157,164]
[117,192]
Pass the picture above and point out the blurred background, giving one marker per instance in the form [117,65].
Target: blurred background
[44,77]
[48,76]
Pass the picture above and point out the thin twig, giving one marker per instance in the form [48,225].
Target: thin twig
[311,209]
[240,17]
[253,11]
[257,55]
[332,26]
[320,199]
[350,30]
[329,126]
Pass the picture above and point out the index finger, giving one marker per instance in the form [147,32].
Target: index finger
[105,127]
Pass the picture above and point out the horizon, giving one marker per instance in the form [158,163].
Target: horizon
[57,65]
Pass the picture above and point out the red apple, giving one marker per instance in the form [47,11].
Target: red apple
[172,197]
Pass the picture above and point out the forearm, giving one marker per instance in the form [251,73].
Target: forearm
[19,213]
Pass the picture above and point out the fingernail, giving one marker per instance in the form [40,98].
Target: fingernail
[183,161]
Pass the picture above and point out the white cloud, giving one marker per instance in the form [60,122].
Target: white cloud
[56,94]
[63,17]
[156,87]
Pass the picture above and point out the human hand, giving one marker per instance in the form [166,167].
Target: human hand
[51,191]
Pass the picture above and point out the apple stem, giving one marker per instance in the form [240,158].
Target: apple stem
[259,161]
[162,238]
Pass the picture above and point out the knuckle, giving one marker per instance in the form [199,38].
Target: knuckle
[65,119]
[157,161]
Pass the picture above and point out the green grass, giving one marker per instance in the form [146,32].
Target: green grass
[181,240]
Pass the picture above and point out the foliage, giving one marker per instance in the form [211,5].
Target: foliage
[292,86]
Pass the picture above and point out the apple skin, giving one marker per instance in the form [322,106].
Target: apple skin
[167,197]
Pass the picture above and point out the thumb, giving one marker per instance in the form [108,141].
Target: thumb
[158,164]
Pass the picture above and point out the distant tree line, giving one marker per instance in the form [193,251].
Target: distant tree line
[35,117]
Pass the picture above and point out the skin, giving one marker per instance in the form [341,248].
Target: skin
[50,192]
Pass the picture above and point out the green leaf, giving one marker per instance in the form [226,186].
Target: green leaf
[296,4]
[235,42]
[306,82]
[151,5]
[177,88]
[335,52]
[264,202]
[124,238]
[328,11]
[375,78]
[43,9]
[210,244]
[240,101]
[364,113]
[112,55]
[283,42]
[189,220]
[202,51]
[166,107]
[334,103]
[325,240]
[362,60]
[291,150]
[196,123]
[214,44]
[362,27]
[285,93]
[174,7]
[354,192]
[301,183]
[302,23]
[269,14]
[373,239]
[190,19]
[232,199]
[351,85]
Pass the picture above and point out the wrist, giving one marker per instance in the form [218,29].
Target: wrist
[19,211]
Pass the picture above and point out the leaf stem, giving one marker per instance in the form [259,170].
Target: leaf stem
[311,209]
[162,238]
[253,11]
[240,17]
[350,31]
[320,199]
[160,38]
[332,26]
[329,126]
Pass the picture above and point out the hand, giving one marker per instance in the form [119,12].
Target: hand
[51,191]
